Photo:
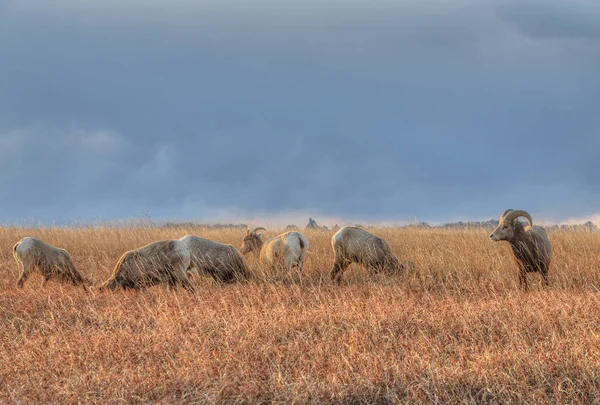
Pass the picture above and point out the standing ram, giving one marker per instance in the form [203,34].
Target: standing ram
[354,245]
[33,254]
[287,250]
[530,245]
[160,262]
[223,262]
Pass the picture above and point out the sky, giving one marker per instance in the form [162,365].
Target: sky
[230,110]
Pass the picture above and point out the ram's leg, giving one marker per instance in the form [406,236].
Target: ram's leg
[301,265]
[23,277]
[545,279]
[544,271]
[523,279]
[301,261]
[338,270]
[187,284]
[46,278]
[193,270]
[179,276]
[26,269]
[169,278]
[289,263]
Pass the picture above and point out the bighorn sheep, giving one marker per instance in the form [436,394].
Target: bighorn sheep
[223,262]
[164,261]
[33,254]
[530,245]
[312,224]
[354,245]
[287,250]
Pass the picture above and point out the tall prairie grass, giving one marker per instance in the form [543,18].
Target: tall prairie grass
[456,329]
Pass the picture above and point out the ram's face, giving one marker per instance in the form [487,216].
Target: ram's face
[251,243]
[504,231]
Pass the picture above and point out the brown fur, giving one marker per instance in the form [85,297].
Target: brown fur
[277,252]
[227,270]
[252,243]
[530,254]
[223,262]
[531,248]
[355,245]
[159,262]
[50,261]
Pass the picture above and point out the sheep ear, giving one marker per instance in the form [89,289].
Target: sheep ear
[247,232]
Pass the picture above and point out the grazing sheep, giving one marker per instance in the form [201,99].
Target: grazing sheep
[312,224]
[164,261]
[354,245]
[223,262]
[33,254]
[287,250]
[530,245]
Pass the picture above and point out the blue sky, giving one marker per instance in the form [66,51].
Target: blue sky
[382,111]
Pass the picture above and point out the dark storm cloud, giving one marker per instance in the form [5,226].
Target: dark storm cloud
[379,110]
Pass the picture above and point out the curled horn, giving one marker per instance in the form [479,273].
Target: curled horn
[258,229]
[504,214]
[512,215]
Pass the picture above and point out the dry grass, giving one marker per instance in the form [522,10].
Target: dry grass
[457,330]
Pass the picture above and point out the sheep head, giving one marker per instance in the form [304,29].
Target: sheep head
[252,241]
[508,223]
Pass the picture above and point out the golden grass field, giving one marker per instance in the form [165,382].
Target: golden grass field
[456,330]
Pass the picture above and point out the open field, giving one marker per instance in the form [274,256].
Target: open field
[457,330]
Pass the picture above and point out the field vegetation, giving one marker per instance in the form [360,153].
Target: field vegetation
[456,329]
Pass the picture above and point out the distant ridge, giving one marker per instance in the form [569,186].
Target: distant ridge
[490,224]
[193,225]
